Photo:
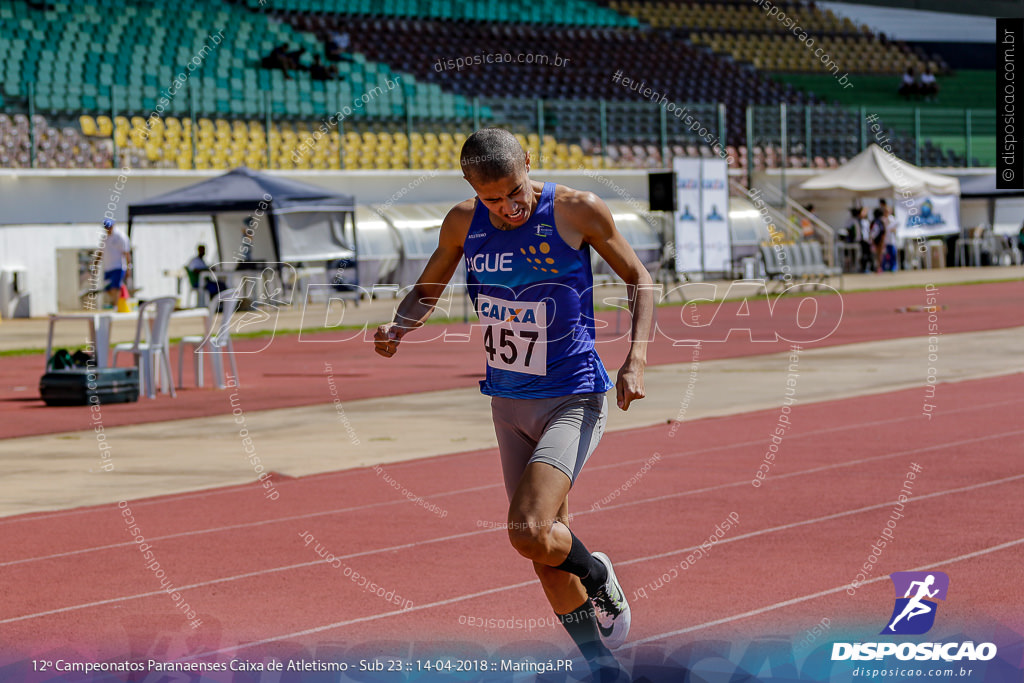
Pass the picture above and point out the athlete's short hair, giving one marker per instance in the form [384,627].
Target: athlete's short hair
[491,154]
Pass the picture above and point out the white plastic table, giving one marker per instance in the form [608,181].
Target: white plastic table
[100,322]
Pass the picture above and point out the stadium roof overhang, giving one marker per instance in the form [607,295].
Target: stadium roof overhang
[984,187]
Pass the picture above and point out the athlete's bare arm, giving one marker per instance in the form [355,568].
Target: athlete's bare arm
[419,303]
[587,218]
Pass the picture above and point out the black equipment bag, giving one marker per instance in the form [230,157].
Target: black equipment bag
[74,386]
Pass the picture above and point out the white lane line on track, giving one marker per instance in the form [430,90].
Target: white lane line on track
[826,518]
[813,596]
[813,470]
[717,622]
[262,572]
[245,488]
[678,494]
[231,527]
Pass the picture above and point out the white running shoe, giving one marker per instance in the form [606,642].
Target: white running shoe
[611,608]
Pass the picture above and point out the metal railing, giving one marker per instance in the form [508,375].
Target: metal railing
[776,136]
[794,214]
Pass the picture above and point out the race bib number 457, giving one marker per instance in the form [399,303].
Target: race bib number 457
[515,337]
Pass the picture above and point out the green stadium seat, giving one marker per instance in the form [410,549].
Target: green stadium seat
[88,57]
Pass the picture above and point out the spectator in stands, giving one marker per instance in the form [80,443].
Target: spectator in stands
[909,86]
[1020,237]
[197,267]
[281,58]
[929,86]
[319,71]
[295,57]
[276,58]
[117,259]
[337,47]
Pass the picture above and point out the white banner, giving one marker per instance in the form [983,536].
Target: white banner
[715,203]
[688,215]
[927,216]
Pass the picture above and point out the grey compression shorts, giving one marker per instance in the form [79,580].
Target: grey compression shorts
[561,431]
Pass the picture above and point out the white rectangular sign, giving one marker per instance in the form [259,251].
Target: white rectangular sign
[715,203]
[927,216]
[516,335]
[688,214]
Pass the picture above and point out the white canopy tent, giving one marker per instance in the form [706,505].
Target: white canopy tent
[874,171]
[927,204]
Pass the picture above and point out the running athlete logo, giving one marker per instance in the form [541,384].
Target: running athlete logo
[545,230]
[256,299]
[914,612]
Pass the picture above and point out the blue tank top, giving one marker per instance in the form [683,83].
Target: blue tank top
[534,295]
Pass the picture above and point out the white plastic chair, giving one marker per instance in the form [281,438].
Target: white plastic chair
[213,344]
[152,353]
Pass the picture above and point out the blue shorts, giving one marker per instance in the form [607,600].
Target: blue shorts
[115,278]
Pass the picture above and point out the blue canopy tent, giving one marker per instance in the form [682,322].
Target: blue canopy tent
[307,223]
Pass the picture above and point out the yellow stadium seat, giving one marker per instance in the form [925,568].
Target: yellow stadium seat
[88,125]
[104,126]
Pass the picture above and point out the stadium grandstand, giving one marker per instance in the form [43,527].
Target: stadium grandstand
[148,85]
[380,97]
[259,259]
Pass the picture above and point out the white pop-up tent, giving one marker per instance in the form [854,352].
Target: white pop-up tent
[874,171]
[927,204]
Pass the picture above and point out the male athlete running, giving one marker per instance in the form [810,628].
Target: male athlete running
[915,607]
[527,251]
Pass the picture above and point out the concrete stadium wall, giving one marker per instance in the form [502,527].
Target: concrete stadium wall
[42,211]
[33,248]
[36,197]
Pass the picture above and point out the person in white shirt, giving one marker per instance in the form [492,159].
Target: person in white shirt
[929,86]
[117,258]
[890,245]
[908,85]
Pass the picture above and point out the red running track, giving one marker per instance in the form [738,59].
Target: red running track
[293,371]
[75,578]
